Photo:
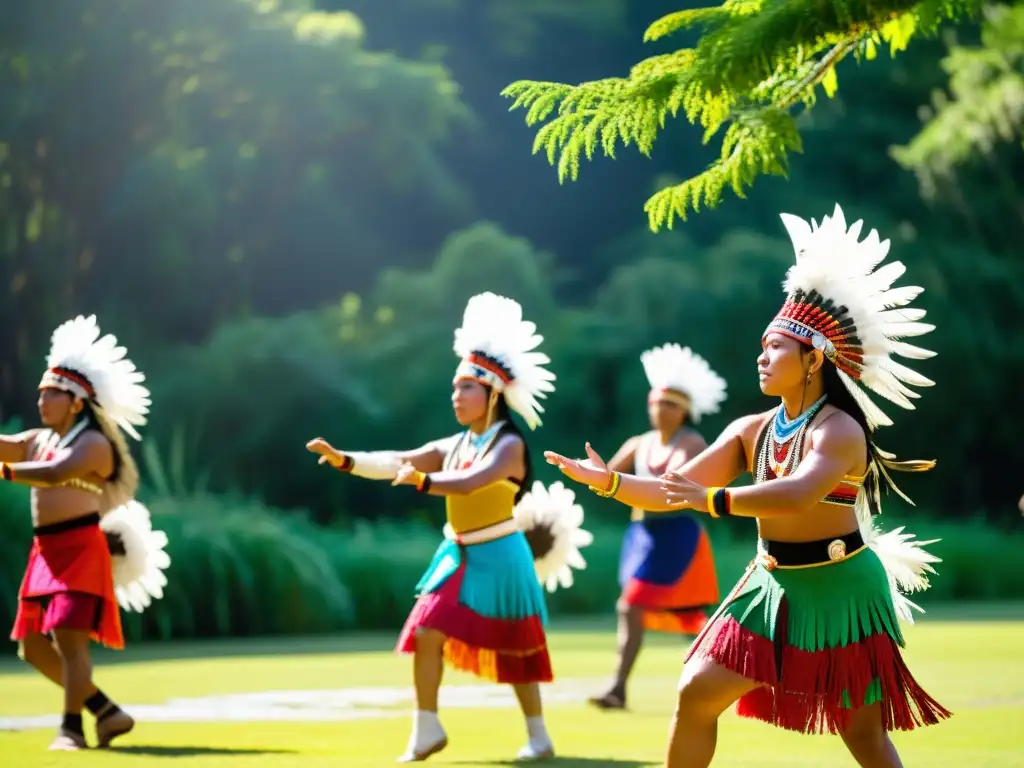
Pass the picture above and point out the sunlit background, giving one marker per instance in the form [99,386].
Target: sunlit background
[281,210]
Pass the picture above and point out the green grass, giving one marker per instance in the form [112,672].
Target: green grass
[968,658]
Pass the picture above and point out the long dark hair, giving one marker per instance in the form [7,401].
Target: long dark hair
[504,413]
[89,415]
[880,462]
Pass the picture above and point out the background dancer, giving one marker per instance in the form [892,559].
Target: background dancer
[666,569]
[809,639]
[480,606]
[79,467]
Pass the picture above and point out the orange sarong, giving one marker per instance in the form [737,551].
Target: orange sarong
[70,576]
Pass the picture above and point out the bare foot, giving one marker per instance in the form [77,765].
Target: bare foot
[111,726]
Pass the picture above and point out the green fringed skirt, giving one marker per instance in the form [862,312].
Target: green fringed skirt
[822,641]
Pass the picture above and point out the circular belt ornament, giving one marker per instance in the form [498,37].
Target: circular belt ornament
[837,550]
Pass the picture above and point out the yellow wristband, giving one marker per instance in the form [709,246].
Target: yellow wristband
[711,501]
[612,489]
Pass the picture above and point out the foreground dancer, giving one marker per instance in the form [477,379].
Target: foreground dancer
[480,606]
[79,466]
[809,639]
[666,570]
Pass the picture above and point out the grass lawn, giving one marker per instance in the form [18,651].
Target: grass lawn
[346,704]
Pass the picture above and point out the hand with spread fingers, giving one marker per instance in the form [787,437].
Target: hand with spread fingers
[591,471]
[681,493]
[327,452]
[407,475]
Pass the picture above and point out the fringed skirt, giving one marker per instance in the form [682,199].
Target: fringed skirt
[822,641]
[667,570]
[69,584]
[485,599]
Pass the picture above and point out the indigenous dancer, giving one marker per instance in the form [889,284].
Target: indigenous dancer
[666,570]
[79,467]
[809,639]
[480,606]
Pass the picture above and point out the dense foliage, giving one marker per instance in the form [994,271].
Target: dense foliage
[281,208]
[754,64]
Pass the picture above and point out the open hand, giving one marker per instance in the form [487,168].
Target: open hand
[591,471]
[681,493]
[328,453]
[406,475]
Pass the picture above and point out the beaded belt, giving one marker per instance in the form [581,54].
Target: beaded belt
[481,535]
[807,554]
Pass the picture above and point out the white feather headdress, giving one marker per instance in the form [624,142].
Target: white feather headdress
[497,347]
[96,369]
[674,370]
[842,303]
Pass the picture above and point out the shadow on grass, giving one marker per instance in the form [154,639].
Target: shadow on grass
[571,762]
[583,633]
[154,750]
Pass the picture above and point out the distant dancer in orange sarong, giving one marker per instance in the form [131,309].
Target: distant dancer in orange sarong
[666,570]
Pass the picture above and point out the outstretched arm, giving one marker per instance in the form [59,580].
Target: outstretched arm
[382,465]
[837,448]
[91,455]
[14,448]
[504,461]
[719,464]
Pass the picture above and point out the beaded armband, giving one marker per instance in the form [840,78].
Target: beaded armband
[613,488]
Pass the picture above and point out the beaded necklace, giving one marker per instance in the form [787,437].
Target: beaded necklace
[473,446]
[778,457]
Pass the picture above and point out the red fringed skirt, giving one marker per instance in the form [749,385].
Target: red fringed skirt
[69,584]
[485,599]
[823,641]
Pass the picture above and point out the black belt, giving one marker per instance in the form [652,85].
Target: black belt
[84,521]
[799,553]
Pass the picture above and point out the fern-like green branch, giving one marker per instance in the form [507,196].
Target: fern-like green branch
[985,106]
[754,63]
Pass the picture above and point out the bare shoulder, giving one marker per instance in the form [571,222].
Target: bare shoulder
[93,440]
[632,443]
[836,424]
[692,441]
[509,444]
[747,428]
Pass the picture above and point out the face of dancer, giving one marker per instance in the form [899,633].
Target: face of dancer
[783,364]
[58,409]
[666,417]
[469,401]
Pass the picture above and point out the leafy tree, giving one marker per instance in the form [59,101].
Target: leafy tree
[968,154]
[755,65]
[164,160]
[983,107]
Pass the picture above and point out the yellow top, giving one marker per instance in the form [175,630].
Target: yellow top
[482,508]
